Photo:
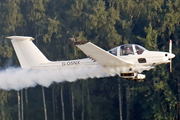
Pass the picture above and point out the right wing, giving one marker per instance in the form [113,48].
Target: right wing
[101,56]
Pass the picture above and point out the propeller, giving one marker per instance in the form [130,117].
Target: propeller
[170,54]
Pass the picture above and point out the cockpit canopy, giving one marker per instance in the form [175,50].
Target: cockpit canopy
[139,49]
[127,49]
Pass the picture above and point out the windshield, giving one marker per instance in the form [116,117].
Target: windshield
[113,51]
[139,49]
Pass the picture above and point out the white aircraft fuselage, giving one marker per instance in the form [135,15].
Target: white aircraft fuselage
[128,61]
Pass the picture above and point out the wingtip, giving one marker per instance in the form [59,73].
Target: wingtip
[32,39]
[20,37]
[80,42]
[9,37]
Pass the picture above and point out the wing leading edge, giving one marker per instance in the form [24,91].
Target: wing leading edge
[102,57]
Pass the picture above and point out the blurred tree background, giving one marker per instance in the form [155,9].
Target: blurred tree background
[106,23]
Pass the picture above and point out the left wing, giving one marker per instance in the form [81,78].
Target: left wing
[101,56]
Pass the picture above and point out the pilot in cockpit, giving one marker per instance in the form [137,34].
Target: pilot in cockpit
[127,51]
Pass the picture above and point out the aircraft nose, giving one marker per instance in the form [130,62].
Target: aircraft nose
[171,55]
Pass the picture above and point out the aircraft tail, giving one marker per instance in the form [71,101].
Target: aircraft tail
[28,54]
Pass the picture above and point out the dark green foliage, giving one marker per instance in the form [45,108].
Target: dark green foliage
[107,23]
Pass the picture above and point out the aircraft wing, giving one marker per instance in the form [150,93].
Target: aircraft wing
[102,57]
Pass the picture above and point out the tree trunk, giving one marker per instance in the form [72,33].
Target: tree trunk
[53,100]
[26,97]
[82,108]
[19,112]
[82,114]
[2,111]
[72,104]
[22,110]
[120,100]
[127,103]
[44,102]
[26,104]
[62,102]
[89,102]
[56,105]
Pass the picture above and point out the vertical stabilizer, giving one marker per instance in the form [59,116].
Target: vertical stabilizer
[28,54]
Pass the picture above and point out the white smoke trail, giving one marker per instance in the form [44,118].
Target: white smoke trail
[17,78]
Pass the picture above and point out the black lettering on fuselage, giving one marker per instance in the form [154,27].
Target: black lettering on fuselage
[70,63]
[63,64]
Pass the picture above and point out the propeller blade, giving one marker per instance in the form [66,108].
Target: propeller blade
[170,46]
[170,65]
[170,51]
